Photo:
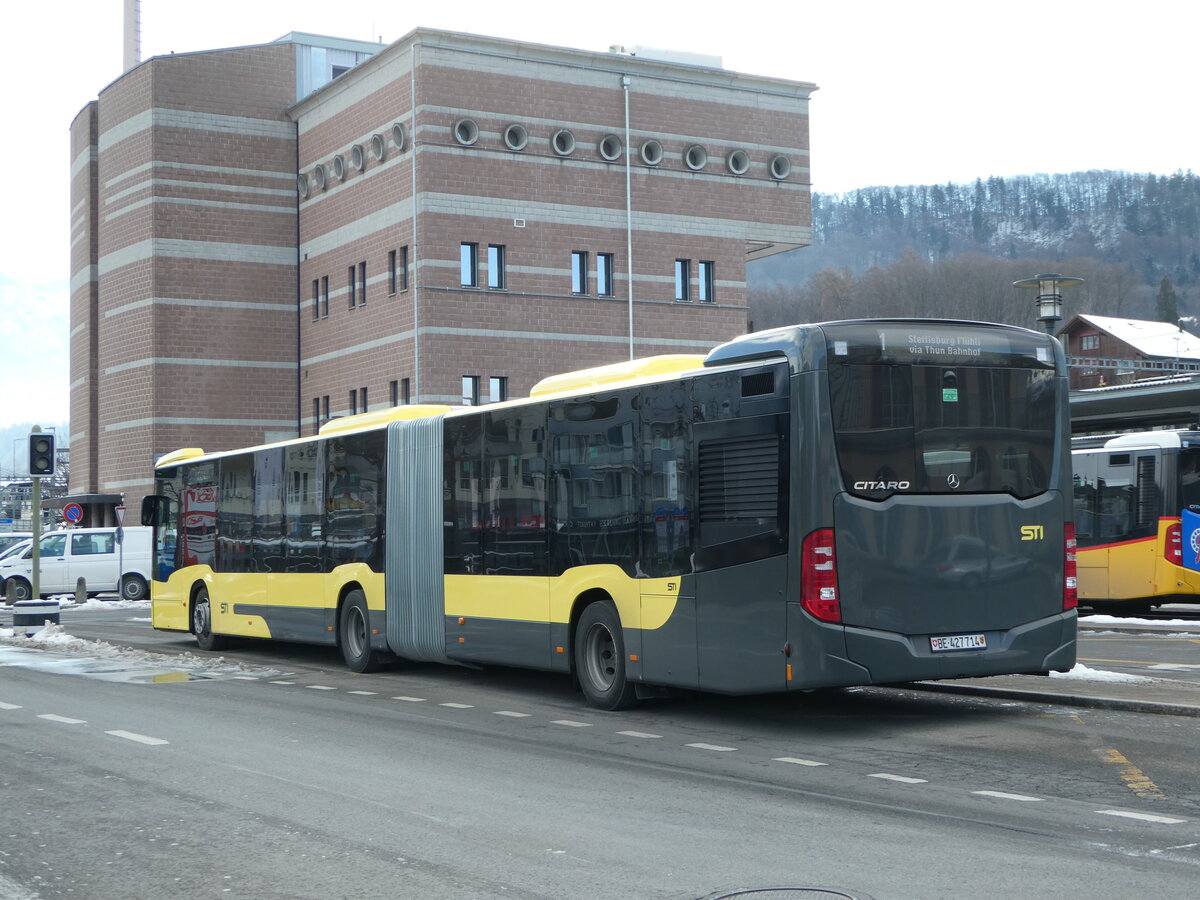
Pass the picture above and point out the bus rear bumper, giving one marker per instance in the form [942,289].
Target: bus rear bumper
[1044,645]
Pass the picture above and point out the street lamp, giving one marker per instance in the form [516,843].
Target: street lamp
[1049,296]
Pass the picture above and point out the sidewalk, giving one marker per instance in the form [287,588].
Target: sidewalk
[1159,695]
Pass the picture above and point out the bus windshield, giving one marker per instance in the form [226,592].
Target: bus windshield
[949,410]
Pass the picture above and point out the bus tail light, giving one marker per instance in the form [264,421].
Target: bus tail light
[1174,550]
[818,577]
[1070,572]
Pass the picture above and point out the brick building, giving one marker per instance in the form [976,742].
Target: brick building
[265,237]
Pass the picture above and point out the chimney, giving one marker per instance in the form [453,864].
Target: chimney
[133,34]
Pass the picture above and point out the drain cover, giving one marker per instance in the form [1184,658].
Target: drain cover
[789,893]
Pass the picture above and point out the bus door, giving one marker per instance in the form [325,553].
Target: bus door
[1127,507]
[1092,552]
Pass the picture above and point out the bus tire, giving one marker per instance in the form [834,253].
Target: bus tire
[202,623]
[21,589]
[354,634]
[133,587]
[600,658]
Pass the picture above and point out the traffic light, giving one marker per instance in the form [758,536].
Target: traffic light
[41,455]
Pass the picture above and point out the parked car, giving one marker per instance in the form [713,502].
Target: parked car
[9,538]
[17,548]
[108,559]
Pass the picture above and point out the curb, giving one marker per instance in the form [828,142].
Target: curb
[1144,706]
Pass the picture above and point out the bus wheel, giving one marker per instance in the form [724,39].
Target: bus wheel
[600,659]
[21,589]
[354,634]
[133,587]
[202,623]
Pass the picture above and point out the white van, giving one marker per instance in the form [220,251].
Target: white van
[106,558]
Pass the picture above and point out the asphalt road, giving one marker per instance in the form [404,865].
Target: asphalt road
[290,777]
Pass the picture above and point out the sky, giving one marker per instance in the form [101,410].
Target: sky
[928,91]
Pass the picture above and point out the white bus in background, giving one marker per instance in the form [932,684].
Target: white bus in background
[108,559]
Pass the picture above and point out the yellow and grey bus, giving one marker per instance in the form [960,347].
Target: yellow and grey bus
[846,503]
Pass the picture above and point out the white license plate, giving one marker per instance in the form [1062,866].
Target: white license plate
[958,642]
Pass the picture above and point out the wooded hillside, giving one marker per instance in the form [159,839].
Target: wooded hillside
[954,250]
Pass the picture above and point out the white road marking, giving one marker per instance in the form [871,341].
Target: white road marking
[716,747]
[245,678]
[799,762]
[9,706]
[363,693]
[53,718]
[903,779]
[639,734]
[283,682]
[320,687]
[1002,795]
[511,714]
[410,699]
[1143,817]
[140,738]
[571,724]
[457,705]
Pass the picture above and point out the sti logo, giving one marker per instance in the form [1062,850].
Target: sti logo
[1032,532]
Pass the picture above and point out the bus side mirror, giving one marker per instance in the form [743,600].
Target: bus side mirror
[154,509]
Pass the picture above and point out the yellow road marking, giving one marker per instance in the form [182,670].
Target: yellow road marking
[1131,662]
[1135,779]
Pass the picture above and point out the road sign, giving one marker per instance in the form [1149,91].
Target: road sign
[120,512]
[73,513]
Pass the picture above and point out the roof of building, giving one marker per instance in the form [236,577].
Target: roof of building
[1148,338]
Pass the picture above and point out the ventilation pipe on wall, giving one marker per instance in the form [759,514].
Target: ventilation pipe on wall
[625,81]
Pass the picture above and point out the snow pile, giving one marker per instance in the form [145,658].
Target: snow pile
[55,639]
[1122,620]
[1083,673]
[67,601]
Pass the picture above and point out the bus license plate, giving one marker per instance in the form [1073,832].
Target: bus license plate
[958,642]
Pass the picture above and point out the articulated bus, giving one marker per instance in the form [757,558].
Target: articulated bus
[1131,497]
[847,503]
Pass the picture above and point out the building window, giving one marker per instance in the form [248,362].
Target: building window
[405,393]
[391,272]
[1089,342]
[350,287]
[324,296]
[316,298]
[402,266]
[470,390]
[362,283]
[496,279]
[362,398]
[353,402]
[498,388]
[325,408]
[394,393]
[706,281]
[579,265]
[683,279]
[604,274]
[316,415]
[468,265]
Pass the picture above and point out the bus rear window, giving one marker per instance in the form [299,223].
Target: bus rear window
[943,429]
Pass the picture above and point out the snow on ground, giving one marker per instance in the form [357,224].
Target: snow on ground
[55,639]
[1084,673]
[67,601]
[1125,620]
